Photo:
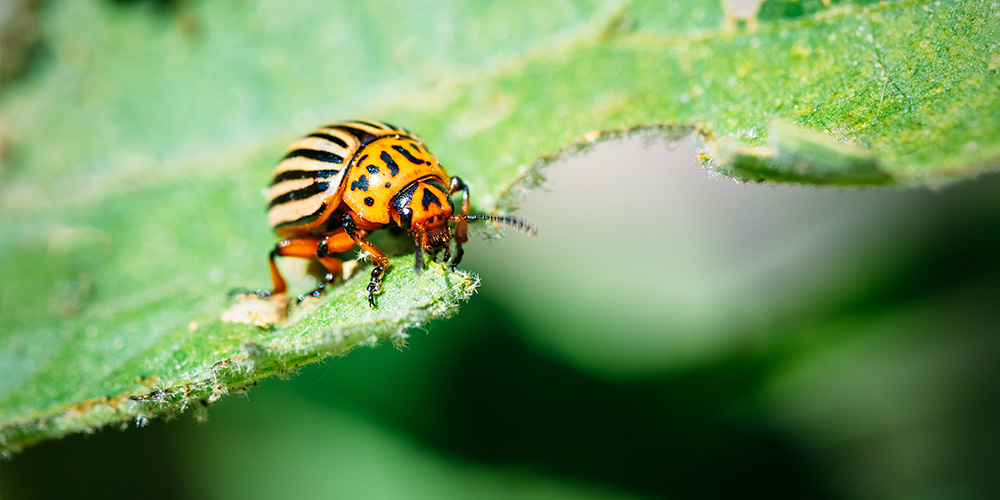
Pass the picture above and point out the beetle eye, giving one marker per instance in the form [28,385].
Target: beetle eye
[406,218]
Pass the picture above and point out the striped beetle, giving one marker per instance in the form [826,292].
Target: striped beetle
[346,180]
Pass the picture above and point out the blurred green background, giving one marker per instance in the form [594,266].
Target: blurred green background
[669,335]
[687,337]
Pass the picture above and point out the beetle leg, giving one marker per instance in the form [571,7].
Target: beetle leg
[334,267]
[299,247]
[418,259]
[462,226]
[309,248]
[336,242]
[378,258]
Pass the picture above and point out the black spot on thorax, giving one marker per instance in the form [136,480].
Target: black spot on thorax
[389,162]
[361,183]
[408,155]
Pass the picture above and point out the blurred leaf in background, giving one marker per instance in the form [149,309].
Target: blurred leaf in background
[670,335]
[860,327]
[873,375]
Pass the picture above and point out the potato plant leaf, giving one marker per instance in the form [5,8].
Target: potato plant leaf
[135,150]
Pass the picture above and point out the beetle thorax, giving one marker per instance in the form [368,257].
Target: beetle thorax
[423,209]
[381,169]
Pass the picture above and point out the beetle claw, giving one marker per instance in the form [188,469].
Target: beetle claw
[318,291]
[459,252]
[375,286]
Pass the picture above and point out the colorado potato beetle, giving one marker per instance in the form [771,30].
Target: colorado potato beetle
[343,181]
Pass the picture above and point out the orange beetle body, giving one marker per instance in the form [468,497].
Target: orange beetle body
[343,181]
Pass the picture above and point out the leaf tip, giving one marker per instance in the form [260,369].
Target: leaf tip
[798,155]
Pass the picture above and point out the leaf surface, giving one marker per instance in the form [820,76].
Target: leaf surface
[135,153]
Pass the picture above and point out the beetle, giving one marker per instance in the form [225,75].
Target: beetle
[343,181]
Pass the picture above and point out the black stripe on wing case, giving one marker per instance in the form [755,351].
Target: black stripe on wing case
[301,194]
[315,154]
[382,126]
[363,136]
[305,219]
[304,174]
[332,138]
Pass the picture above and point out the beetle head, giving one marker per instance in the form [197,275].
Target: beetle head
[423,209]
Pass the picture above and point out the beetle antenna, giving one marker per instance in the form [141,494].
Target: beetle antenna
[522,226]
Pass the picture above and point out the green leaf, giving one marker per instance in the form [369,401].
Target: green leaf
[135,153]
